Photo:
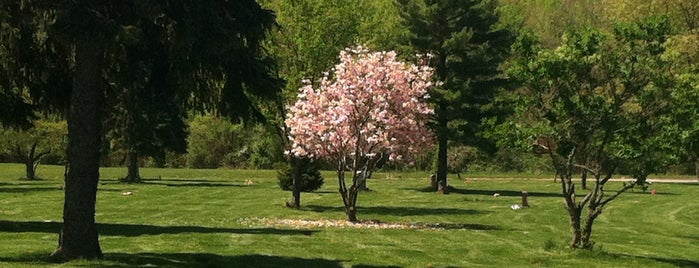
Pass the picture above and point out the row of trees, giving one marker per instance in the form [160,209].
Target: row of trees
[606,100]
[596,102]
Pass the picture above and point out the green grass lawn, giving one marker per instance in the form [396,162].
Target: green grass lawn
[212,218]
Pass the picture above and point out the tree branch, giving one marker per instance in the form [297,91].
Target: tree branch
[624,189]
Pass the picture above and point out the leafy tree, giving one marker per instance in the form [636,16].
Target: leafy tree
[31,145]
[214,142]
[467,49]
[305,45]
[682,51]
[372,107]
[598,103]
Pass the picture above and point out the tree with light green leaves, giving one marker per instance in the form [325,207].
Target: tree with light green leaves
[31,145]
[599,102]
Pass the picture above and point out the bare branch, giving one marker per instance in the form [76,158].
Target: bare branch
[592,171]
[622,190]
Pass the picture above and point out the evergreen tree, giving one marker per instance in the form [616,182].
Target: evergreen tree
[207,43]
[467,49]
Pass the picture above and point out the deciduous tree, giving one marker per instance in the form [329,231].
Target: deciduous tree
[371,107]
[601,103]
[31,145]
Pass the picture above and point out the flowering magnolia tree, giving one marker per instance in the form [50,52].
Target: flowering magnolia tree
[372,107]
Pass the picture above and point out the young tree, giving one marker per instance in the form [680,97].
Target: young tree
[598,103]
[31,145]
[468,48]
[370,108]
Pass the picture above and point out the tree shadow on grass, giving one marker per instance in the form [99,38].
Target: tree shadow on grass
[215,260]
[184,260]
[193,184]
[27,189]
[117,229]
[671,261]
[489,192]
[400,211]
[176,260]
[165,181]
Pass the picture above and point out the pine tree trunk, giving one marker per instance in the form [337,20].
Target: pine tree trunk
[442,140]
[133,174]
[78,237]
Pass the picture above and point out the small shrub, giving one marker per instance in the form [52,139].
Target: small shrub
[311,179]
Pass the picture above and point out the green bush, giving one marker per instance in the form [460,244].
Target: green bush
[215,142]
[311,179]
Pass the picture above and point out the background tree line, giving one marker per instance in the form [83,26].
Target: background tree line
[305,46]
[146,81]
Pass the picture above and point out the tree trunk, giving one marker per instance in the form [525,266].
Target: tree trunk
[133,174]
[349,196]
[296,183]
[583,180]
[442,140]
[30,169]
[78,237]
[696,168]
[585,242]
[351,204]
[575,223]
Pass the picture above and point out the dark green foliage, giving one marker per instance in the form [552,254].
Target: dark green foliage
[467,48]
[266,148]
[311,179]
[183,47]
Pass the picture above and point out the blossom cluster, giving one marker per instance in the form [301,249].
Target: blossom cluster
[371,103]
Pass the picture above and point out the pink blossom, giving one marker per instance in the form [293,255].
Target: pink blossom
[370,104]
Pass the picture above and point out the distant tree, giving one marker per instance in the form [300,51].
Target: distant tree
[146,115]
[215,142]
[600,103]
[467,48]
[682,51]
[311,179]
[31,145]
[372,107]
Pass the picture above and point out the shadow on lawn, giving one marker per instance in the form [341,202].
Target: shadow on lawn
[674,262]
[193,184]
[489,192]
[117,229]
[27,189]
[195,260]
[401,211]
[164,181]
